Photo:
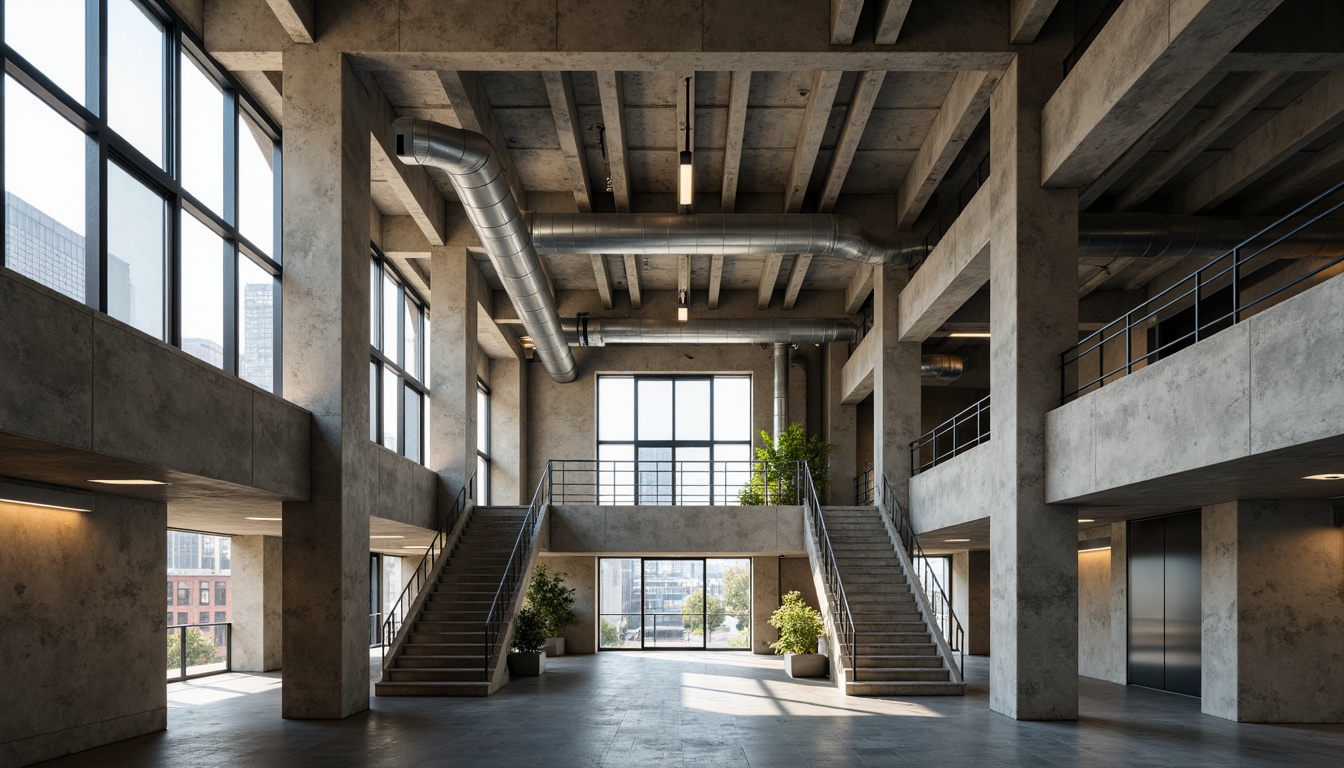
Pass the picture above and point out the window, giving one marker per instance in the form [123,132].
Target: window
[181,617]
[221,592]
[482,443]
[221,633]
[205,617]
[681,602]
[673,439]
[398,392]
[169,621]
[140,179]
[170,595]
[183,594]
[205,593]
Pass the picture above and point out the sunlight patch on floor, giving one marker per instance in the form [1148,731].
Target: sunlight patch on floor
[210,690]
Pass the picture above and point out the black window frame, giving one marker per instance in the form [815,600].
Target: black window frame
[221,593]
[385,362]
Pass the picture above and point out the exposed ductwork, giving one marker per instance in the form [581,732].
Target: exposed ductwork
[477,175]
[780,357]
[1151,235]
[942,367]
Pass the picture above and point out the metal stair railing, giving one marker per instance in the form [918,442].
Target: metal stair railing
[841,616]
[945,620]
[514,571]
[396,616]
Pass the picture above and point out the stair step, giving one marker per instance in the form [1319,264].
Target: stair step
[904,688]
[444,649]
[884,675]
[390,688]
[868,646]
[875,661]
[443,662]
[476,674]
[446,638]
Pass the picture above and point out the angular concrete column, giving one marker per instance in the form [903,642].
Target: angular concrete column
[896,387]
[839,426]
[452,422]
[1033,317]
[256,613]
[970,599]
[508,431]
[1272,598]
[326,370]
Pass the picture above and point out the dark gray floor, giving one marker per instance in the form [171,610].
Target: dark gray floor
[665,710]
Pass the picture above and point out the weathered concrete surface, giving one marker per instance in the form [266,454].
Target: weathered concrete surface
[84,643]
[970,599]
[452,422]
[580,574]
[1095,657]
[856,377]
[954,271]
[257,613]
[406,491]
[675,530]
[508,432]
[897,387]
[839,426]
[1272,586]
[765,598]
[962,489]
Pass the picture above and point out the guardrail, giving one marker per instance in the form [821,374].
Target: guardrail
[951,438]
[863,488]
[657,482]
[1218,295]
[841,616]
[515,571]
[193,653]
[396,615]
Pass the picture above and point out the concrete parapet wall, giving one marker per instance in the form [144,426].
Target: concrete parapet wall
[675,530]
[958,491]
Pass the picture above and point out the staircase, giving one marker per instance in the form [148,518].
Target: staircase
[896,652]
[444,650]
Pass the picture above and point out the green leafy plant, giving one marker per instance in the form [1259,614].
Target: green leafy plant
[552,599]
[529,631]
[737,590]
[611,635]
[695,610]
[799,626]
[199,650]
[776,482]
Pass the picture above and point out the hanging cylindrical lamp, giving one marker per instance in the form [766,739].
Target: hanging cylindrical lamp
[685,169]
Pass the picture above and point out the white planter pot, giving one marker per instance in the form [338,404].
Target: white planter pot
[527,664]
[806,664]
[555,646]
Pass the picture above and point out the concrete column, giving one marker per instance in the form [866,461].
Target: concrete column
[765,580]
[1033,317]
[452,422]
[896,388]
[1119,604]
[256,614]
[839,426]
[970,599]
[1272,597]
[508,431]
[326,342]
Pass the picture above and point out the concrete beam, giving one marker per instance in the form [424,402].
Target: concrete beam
[297,17]
[819,104]
[603,277]
[495,342]
[844,20]
[1025,19]
[560,89]
[957,268]
[264,88]
[851,133]
[632,280]
[684,275]
[411,184]
[890,19]
[1310,116]
[966,103]
[470,103]
[1312,175]
[715,279]
[859,289]
[1255,90]
[612,93]
[769,274]
[1144,60]
[796,277]
[739,90]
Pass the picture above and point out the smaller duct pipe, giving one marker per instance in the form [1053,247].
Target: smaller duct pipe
[942,367]
[780,357]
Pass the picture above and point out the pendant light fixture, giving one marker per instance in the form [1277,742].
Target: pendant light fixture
[685,171]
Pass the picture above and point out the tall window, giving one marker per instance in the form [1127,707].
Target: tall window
[140,179]
[482,444]
[399,371]
[673,439]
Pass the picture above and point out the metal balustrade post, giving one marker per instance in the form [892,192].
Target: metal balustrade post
[1236,285]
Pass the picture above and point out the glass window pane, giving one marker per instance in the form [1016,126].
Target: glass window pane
[425,370]
[391,347]
[256,319]
[256,185]
[482,421]
[693,409]
[732,471]
[373,402]
[615,408]
[655,475]
[732,408]
[135,76]
[412,339]
[615,476]
[50,35]
[482,481]
[655,410]
[391,390]
[202,136]
[411,428]
[693,475]
[374,282]
[202,291]
[135,252]
[44,193]
[728,583]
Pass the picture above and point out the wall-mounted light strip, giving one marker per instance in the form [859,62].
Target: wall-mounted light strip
[265,519]
[42,497]
[128,482]
[1093,545]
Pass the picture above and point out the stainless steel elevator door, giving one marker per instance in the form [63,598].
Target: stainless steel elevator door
[1164,603]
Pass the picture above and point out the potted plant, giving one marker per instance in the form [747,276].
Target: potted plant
[800,627]
[773,480]
[528,658]
[555,602]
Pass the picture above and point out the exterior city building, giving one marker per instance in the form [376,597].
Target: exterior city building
[1066,301]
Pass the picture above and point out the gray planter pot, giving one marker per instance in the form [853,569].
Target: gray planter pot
[806,664]
[527,664]
[555,646]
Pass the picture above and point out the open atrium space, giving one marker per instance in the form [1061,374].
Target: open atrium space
[672,382]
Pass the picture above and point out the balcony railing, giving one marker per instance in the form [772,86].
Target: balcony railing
[657,482]
[951,438]
[1228,290]
[863,488]
[196,650]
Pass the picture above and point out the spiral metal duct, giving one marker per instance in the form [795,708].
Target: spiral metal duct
[477,175]
[942,367]
[780,357]
[592,332]
[1151,235]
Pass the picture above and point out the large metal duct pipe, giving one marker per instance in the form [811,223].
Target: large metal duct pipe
[780,357]
[1151,235]
[477,175]
[942,367]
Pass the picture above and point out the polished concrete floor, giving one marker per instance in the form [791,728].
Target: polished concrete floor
[702,709]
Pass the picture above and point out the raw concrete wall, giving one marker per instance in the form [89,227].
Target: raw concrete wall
[83,647]
[970,599]
[1270,382]
[1094,614]
[771,579]
[121,393]
[406,491]
[675,530]
[580,573]
[958,491]
[257,603]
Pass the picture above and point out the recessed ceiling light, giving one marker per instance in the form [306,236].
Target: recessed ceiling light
[44,498]
[968,335]
[128,482]
[266,519]
[1086,520]
[416,546]
[955,541]
[386,537]
[1095,549]
[1328,476]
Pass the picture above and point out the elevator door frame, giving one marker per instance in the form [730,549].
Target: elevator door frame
[1186,676]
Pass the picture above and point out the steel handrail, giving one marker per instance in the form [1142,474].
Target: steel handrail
[396,615]
[1228,266]
[863,487]
[978,410]
[706,482]
[849,633]
[946,621]
[508,583]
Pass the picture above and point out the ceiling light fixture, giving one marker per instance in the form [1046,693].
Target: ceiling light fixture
[956,541]
[128,482]
[1086,520]
[416,546]
[47,499]
[386,537]
[685,170]
[265,519]
[968,335]
[683,311]
[1094,545]
[1327,476]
